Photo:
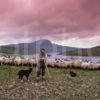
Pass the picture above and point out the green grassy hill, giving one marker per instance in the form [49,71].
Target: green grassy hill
[95,51]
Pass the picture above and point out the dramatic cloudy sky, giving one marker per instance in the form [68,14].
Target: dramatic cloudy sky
[67,22]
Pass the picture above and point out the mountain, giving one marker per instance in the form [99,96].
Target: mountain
[31,48]
[94,51]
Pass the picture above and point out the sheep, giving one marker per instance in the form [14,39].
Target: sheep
[76,64]
[85,65]
[12,60]
[58,63]
[23,62]
[94,66]
[6,61]
[26,61]
[2,60]
[32,62]
[51,62]
[17,61]
[68,64]
[89,65]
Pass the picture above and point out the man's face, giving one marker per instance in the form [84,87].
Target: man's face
[42,50]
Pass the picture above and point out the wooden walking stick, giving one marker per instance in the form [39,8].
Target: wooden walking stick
[48,71]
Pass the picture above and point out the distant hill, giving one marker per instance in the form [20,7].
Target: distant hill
[95,51]
[31,48]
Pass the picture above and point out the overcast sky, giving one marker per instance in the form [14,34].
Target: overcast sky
[67,22]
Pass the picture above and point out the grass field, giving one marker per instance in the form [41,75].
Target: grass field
[60,86]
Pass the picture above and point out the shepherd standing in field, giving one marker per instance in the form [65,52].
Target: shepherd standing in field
[41,63]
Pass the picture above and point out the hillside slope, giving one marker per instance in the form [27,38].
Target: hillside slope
[31,48]
[95,51]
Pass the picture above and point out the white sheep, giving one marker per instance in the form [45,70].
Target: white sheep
[17,61]
[76,64]
[68,64]
[85,65]
[32,62]
[2,60]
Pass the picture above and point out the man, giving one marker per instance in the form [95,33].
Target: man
[42,63]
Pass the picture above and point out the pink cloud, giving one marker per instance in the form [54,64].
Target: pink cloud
[49,18]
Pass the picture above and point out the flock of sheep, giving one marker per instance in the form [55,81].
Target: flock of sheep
[76,64]
[59,63]
[17,61]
